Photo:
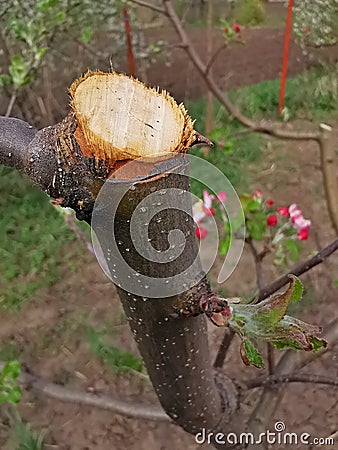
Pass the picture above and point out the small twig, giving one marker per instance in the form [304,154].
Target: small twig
[11,104]
[299,270]
[70,395]
[223,348]
[149,6]
[290,378]
[214,57]
[258,258]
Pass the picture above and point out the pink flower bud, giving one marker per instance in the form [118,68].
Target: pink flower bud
[236,28]
[283,211]
[257,194]
[303,234]
[270,203]
[201,232]
[222,196]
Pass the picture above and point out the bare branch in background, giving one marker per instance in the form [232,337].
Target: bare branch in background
[149,6]
[291,378]
[132,409]
[328,167]
[299,270]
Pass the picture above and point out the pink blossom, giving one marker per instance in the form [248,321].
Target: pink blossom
[197,212]
[283,211]
[207,199]
[270,203]
[257,193]
[302,225]
[201,232]
[222,196]
[208,211]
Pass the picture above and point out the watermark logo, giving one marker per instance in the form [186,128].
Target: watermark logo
[278,436]
[128,217]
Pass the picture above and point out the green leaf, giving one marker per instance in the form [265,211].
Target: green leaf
[45,5]
[256,229]
[5,80]
[250,355]
[335,282]
[14,396]
[11,370]
[60,17]
[317,344]
[293,248]
[19,71]
[225,245]
[286,343]
[86,35]
[298,289]
[40,53]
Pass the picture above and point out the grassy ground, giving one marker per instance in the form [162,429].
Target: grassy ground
[32,236]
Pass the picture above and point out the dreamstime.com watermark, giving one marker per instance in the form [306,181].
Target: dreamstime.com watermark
[279,436]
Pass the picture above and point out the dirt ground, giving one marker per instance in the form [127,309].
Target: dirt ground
[50,333]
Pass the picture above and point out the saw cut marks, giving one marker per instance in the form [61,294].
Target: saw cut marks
[120,118]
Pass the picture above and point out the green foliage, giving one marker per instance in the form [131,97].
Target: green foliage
[298,290]
[25,438]
[315,22]
[250,12]
[116,359]
[268,321]
[232,155]
[335,283]
[251,355]
[32,27]
[9,389]
[29,33]
[32,237]
[310,94]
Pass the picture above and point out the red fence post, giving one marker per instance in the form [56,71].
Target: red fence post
[285,56]
[131,58]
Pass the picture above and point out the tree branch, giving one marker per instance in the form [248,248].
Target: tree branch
[131,409]
[149,6]
[270,128]
[328,167]
[15,138]
[291,378]
[299,270]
